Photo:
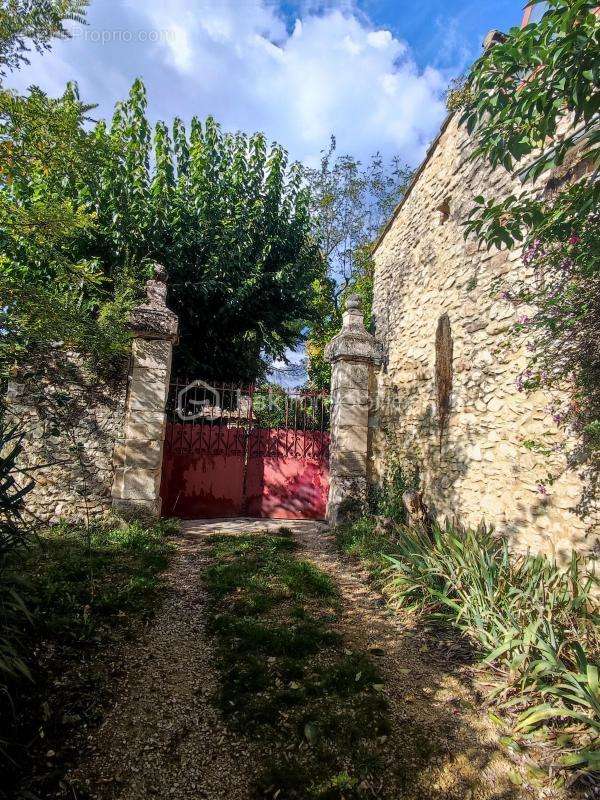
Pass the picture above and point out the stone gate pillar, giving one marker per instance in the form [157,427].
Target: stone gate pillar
[352,354]
[138,454]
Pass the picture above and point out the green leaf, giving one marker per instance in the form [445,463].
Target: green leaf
[311,732]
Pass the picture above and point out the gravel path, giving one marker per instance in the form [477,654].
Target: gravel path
[163,738]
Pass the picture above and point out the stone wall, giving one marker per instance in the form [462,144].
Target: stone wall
[477,468]
[93,440]
[71,420]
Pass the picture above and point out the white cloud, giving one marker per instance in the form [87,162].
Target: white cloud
[380,39]
[333,73]
[179,46]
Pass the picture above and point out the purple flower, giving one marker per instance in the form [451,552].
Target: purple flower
[523,319]
[542,489]
[531,252]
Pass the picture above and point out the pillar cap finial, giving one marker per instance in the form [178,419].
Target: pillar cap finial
[152,319]
[353,342]
[354,302]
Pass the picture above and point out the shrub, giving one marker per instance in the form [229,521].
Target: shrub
[386,498]
[533,620]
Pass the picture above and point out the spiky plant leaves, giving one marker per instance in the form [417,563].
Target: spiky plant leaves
[531,619]
[13,534]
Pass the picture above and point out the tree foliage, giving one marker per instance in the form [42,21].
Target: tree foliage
[532,103]
[350,203]
[83,212]
[34,22]
[50,288]
[229,219]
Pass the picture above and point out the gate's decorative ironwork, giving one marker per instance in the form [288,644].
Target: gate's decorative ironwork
[245,450]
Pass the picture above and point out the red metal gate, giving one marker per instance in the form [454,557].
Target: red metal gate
[245,451]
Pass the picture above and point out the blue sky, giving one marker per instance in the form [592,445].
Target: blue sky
[440,32]
[373,72]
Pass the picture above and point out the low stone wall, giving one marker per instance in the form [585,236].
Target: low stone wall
[477,468]
[71,420]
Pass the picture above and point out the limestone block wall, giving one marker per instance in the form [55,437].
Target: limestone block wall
[479,468]
[71,420]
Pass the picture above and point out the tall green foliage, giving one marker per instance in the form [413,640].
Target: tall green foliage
[229,219]
[50,288]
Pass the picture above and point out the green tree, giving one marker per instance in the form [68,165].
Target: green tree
[350,204]
[228,218]
[532,102]
[34,22]
[50,291]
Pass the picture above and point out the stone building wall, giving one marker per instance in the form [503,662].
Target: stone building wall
[71,421]
[478,468]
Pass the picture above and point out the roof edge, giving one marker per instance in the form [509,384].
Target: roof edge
[413,181]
